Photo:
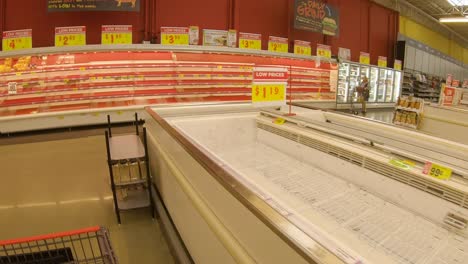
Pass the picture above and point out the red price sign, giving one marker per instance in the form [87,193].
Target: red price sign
[70,36]
[250,41]
[324,51]
[117,34]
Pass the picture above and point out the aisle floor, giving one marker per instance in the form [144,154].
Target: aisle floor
[62,185]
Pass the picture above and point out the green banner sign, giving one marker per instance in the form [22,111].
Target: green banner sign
[316,16]
[93,5]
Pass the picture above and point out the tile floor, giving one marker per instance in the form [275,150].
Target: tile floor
[60,185]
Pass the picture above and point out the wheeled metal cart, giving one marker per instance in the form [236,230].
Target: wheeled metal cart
[128,163]
[88,245]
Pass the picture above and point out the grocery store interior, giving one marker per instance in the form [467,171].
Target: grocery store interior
[234,131]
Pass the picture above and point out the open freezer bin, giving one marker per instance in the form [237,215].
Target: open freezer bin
[298,193]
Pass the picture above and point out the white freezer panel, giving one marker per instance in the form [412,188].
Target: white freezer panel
[410,56]
[425,62]
[431,63]
[419,60]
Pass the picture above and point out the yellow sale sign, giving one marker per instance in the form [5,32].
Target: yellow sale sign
[250,41]
[70,36]
[116,34]
[174,35]
[364,58]
[268,92]
[277,44]
[324,51]
[397,65]
[437,171]
[382,61]
[302,48]
[17,39]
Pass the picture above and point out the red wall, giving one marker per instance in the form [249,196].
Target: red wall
[364,25]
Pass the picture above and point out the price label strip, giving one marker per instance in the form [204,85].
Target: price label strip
[279,121]
[174,36]
[437,171]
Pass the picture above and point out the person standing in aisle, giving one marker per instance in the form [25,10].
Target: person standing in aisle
[363,93]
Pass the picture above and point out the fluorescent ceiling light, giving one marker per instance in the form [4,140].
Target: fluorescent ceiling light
[454,20]
[458,2]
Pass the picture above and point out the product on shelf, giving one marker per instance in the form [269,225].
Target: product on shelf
[422,85]
[408,111]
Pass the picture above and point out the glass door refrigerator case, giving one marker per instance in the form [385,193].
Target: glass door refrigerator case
[373,83]
[397,86]
[354,80]
[343,77]
[389,85]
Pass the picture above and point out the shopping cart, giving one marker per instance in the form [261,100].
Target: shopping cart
[89,245]
[352,98]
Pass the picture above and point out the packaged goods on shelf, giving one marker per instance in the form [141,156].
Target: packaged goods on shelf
[408,111]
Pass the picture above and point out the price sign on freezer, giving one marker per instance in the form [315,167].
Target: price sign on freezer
[324,51]
[17,39]
[277,44]
[250,41]
[268,92]
[70,36]
[437,171]
[116,34]
[302,48]
[174,36]
[364,58]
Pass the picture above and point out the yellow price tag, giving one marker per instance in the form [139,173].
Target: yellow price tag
[397,65]
[382,62]
[250,44]
[70,36]
[364,58]
[268,92]
[17,40]
[302,50]
[279,121]
[437,171]
[324,51]
[70,40]
[116,38]
[277,47]
[174,39]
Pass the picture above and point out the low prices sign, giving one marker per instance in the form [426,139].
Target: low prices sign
[302,48]
[269,86]
[448,95]
[382,62]
[116,34]
[17,39]
[364,58]
[324,51]
[250,41]
[277,44]
[397,65]
[175,36]
[70,36]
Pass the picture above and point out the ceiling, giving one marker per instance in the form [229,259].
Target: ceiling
[442,8]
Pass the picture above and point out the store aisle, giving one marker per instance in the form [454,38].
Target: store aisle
[62,185]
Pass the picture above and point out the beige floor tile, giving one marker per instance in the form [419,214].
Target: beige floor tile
[63,185]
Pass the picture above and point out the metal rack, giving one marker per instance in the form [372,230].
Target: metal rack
[128,162]
[88,245]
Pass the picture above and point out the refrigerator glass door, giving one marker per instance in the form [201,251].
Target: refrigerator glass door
[354,79]
[389,85]
[397,85]
[343,73]
[381,85]
[373,83]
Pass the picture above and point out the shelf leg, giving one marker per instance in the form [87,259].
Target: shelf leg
[109,126]
[136,124]
[111,173]
[148,176]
